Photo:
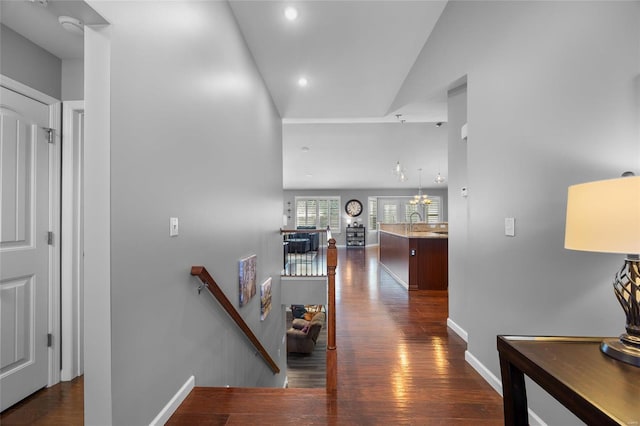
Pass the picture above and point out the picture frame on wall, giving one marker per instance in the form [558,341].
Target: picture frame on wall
[247,278]
[265,299]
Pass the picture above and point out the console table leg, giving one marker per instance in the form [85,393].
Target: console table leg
[514,395]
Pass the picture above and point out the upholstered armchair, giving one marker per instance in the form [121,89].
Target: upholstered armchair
[303,334]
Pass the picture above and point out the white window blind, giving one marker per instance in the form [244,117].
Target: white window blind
[408,210]
[389,212]
[373,213]
[319,212]
[433,210]
[399,209]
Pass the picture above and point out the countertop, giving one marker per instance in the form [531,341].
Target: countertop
[416,229]
[418,234]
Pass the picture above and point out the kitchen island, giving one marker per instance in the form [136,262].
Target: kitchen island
[416,255]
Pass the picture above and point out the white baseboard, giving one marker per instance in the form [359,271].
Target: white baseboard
[171,407]
[496,384]
[394,276]
[458,330]
[534,420]
[486,374]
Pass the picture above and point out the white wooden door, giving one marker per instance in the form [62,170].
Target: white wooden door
[24,254]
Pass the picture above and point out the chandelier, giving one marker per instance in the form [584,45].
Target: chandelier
[420,198]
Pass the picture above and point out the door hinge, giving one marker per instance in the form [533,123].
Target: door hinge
[49,134]
[49,340]
[50,238]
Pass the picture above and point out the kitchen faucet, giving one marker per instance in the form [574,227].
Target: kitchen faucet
[411,221]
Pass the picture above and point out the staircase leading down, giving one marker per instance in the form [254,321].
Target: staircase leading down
[399,364]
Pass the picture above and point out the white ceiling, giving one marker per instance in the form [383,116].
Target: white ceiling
[363,155]
[38,21]
[355,54]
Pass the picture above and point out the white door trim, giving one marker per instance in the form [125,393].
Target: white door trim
[71,242]
[54,219]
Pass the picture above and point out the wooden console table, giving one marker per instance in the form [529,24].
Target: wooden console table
[598,389]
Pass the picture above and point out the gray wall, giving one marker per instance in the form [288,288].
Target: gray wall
[194,135]
[72,79]
[551,103]
[359,194]
[28,63]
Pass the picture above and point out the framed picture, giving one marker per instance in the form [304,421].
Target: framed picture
[265,299]
[247,274]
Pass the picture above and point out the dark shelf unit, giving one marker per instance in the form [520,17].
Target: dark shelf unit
[356,236]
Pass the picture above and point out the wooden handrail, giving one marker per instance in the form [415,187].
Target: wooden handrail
[332,353]
[216,291]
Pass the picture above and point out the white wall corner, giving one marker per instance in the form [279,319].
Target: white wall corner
[165,414]
[286,382]
[496,384]
[458,330]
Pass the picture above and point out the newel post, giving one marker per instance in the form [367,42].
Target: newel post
[332,353]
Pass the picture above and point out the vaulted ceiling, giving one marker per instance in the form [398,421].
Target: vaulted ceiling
[355,56]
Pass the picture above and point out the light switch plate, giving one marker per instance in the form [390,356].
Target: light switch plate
[510,226]
[173,226]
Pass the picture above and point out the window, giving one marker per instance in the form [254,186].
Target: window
[433,210]
[373,214]
[389,212]
[399,209]
[319,212]
[410,209]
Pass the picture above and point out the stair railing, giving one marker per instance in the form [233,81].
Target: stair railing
[305,252]
[216,291]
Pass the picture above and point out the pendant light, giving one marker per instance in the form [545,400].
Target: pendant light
[398,171]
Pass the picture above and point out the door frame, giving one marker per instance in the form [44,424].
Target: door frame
[71,237]
[54,220]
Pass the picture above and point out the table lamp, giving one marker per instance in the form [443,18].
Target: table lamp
[604,216]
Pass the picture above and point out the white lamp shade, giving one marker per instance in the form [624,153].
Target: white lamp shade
[604,216]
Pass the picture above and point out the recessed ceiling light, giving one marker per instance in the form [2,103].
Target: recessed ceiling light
[305,148]
[291,13]
[303,82]
[309,175]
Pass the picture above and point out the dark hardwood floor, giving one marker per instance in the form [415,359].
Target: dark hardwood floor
[59,405]
[309,370]
[398,364]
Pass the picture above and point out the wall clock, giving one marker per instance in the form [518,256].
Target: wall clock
[353,208]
